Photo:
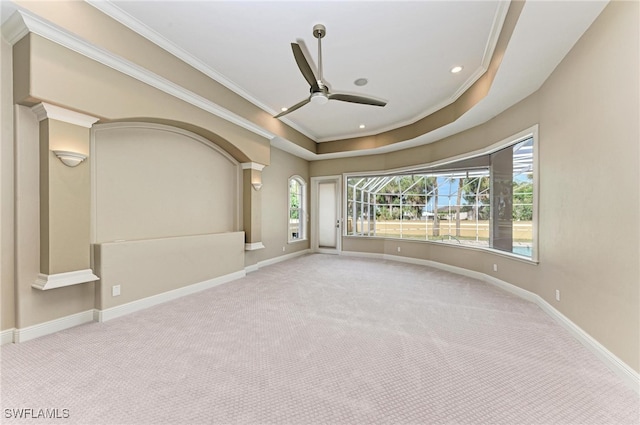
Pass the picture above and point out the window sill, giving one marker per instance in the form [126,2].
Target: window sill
[487,249]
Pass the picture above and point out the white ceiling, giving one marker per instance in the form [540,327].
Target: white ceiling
[405,50]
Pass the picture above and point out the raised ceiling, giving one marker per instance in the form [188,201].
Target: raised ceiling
[404,49]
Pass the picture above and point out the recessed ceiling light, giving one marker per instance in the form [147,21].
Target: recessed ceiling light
[456,69]
[284,109]
[361,82]
[362,125]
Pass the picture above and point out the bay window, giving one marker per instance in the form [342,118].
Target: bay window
[483,201]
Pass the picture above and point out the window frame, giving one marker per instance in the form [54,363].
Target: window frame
[529,133]
[302,210]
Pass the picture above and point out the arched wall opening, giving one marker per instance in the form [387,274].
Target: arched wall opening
[166,214]
[154,181]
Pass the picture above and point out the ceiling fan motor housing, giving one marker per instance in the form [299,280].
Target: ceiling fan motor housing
[319,98]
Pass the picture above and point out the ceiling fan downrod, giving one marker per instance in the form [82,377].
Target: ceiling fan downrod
[319,31]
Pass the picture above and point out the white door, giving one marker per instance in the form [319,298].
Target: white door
[326,224]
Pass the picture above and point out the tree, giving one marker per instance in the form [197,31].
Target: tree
[406,191]
[458,206]
[432,187]
[523,201]
[476,195]
[295,202]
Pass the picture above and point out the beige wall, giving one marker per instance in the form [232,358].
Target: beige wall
[153,181]
[587,113]
[589,182]
[167,182]
[87,22]
[7,303]
[64,230]
[60,76]
[47,71]
[166,211]
[252,203]
[34,306]
[150,267]
[275,189]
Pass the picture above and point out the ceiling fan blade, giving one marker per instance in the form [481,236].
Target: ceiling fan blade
[304,66]
[293,108]
[356,99]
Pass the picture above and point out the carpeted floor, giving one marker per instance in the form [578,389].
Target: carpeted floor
[321,339]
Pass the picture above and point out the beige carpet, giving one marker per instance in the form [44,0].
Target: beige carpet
[321,339]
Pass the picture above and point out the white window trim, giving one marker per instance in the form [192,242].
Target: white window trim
[303,209]
[531,132]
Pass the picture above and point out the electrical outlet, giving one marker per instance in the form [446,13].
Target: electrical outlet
[115,290]
[283,249]
[557,295]
[495,267]
[398,249]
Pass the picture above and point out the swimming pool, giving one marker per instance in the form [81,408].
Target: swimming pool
[523,250]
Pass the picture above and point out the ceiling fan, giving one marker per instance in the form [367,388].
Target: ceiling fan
[319,91]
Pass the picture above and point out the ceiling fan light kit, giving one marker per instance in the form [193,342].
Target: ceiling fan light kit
[318,89]
[319,98]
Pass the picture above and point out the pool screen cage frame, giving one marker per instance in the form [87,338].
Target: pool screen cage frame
[363,192]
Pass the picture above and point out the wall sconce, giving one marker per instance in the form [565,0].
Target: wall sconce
[70,159]
[253,172]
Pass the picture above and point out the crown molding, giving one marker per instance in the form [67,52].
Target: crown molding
[143,30]
[44,110]
[14,28]
[252,166]
[494,35]
[25,23]
[130,22]
[138,27]
[492,41]
[435,108]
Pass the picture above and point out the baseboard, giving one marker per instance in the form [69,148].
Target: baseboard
[275,260]
[52,326]
[133,306]
[6,336]
[94,315]
[363,255]
[620,368]
[252,268]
